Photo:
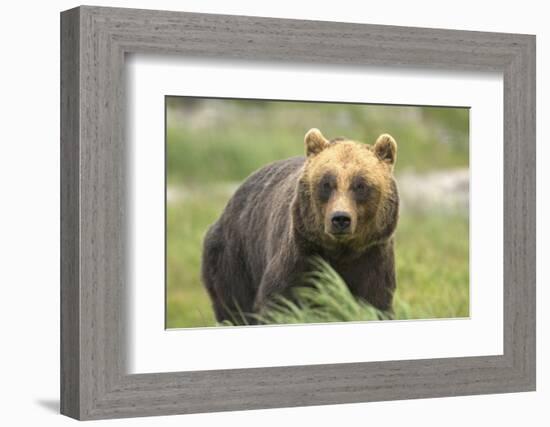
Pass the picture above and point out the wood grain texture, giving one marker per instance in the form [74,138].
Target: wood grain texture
[70,221]
[94,270]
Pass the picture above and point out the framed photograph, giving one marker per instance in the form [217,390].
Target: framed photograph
[261,213]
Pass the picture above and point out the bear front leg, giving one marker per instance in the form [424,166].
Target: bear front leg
[372,277]
[281,274]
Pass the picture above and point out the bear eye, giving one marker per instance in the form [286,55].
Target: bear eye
[326,185]
[360,189]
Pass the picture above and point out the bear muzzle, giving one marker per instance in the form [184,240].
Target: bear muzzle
[340,223]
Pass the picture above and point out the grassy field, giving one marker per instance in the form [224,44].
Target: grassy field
[212,145]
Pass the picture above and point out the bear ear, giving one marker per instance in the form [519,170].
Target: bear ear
[385,148]
[315,142]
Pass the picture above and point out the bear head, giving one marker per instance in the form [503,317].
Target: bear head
[347,197]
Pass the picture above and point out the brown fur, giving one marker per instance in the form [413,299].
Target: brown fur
[285,213]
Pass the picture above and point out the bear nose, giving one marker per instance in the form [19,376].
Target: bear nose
[340,221]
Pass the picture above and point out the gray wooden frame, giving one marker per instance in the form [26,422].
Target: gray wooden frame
[94,41]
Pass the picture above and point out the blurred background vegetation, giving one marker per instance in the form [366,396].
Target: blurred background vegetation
[214,144]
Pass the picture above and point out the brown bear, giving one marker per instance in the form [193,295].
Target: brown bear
[340,202]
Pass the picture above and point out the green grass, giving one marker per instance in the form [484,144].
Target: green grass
[432,263]
[324,298]
[213,145]
[187,302]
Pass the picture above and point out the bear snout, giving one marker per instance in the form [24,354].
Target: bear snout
[340,222]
